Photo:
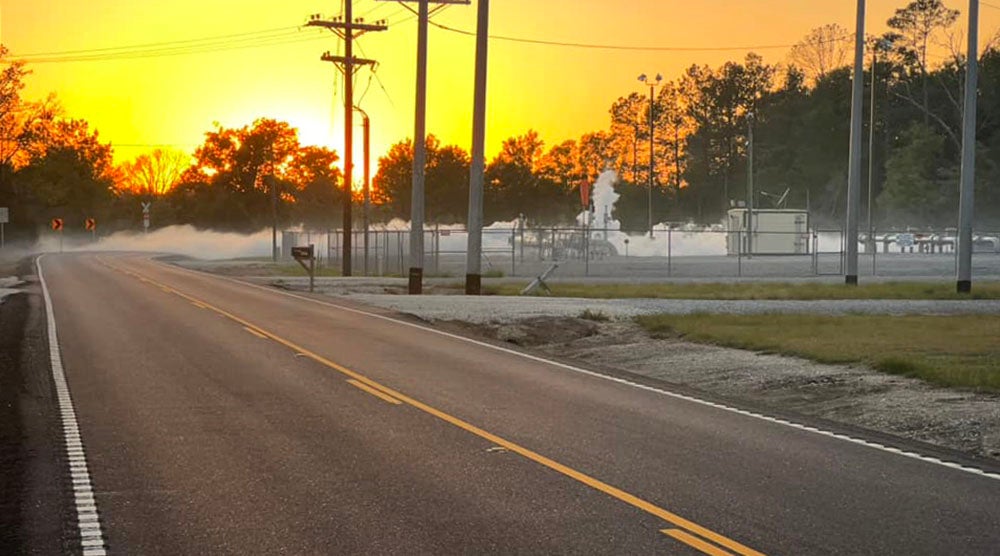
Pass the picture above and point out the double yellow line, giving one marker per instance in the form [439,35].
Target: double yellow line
[685,531]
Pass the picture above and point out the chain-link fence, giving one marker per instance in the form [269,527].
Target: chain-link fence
[671,252]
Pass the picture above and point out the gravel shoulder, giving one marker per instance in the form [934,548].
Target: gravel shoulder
[853,395]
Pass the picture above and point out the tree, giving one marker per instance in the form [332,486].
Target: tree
[913,28]
[446,179]
[154,173]
[627,120]
[823,50]
[717,104]
[73,173]
[317,193]
[917,189]
[516,186]
[229,184]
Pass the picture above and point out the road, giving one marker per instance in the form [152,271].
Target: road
[217,417]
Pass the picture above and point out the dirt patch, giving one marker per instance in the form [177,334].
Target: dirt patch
[855,395]
[534,332]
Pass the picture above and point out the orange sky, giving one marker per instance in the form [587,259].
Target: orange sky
[561,92]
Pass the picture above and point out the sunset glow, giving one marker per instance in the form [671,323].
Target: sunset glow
[562,92]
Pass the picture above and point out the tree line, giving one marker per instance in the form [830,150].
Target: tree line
[799,112]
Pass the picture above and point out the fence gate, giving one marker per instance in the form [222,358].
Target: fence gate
[827,261]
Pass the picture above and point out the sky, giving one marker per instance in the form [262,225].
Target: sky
[268,66]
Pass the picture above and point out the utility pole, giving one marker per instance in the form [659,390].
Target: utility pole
[870,243]
[965,214]
[366,188]
[420,147]
[348,29]
[750,196]
[882,43]
[652,134]
[474,251]
[854,169]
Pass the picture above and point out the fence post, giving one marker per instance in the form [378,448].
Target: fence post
[513,251]
[739,253]
[874,244]
[521,227]
[399,245]
[669,250]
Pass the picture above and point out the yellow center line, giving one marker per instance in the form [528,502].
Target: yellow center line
[255,333]
[596,484]
[199,305]
[377,393]
[695,542]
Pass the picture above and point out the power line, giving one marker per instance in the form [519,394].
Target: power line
[160,44]
[627,47]
[289,35]
[218,46]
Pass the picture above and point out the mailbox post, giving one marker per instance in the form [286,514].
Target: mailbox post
[302,255]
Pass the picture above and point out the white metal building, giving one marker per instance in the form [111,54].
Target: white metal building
[774,232]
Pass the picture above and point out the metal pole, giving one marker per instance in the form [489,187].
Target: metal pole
[750,196]
[870,244]
[367,184]
[419,157]
[854,171]
[473,257]
[965,207]
[274,219]
[649,191]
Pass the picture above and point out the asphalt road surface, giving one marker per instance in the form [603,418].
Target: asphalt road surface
[216,417]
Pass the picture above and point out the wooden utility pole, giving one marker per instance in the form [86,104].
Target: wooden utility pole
[474,252]
[967,186]
[417,209]
[348,29]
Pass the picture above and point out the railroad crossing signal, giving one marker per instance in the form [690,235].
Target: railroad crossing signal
[90,224]
[57,224]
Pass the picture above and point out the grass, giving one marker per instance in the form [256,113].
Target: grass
[954,351]
[597,316]
[766,290]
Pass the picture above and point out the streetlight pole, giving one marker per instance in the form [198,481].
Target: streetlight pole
[652,133]
[882,43]
[367,185]
[750,195]
[871,145]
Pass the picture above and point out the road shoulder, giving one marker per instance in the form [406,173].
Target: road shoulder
[34,505]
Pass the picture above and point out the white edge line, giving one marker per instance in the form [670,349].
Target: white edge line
[86,506]
[775,420]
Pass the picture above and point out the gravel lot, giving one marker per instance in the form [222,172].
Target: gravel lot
[505,309]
